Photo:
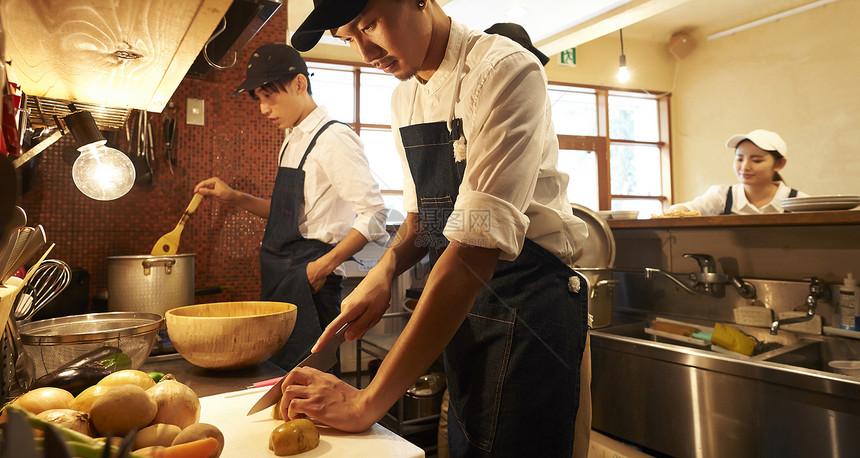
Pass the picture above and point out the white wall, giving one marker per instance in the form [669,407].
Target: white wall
[797,76]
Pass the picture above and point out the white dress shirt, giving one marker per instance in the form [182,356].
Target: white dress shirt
[512,188]
[340,193]
[713,201]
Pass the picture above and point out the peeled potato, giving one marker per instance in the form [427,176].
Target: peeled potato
[276,410]
[293,437]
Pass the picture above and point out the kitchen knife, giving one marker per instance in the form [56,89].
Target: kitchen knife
[322,360]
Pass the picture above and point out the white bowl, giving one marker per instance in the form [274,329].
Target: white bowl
[627,214]
[845,367]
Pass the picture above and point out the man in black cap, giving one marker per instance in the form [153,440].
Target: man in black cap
[486,201]
[325,205]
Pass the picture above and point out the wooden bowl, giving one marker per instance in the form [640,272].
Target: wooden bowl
[230,335]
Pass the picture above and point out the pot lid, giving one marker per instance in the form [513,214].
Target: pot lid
[599,248]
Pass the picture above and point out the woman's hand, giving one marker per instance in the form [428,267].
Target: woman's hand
[326,398]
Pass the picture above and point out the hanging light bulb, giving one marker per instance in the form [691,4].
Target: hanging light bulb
[100,172]
[623,74]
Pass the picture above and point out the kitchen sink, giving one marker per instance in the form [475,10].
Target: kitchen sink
[816,355]
[783,342]
[680,399]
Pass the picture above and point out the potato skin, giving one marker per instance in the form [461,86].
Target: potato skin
[121,409]
[293,437]
[197,431]
[161,434]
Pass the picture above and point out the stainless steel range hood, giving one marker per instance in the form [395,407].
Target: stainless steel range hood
[243,20]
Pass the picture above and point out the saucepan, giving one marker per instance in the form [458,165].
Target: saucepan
[600,286]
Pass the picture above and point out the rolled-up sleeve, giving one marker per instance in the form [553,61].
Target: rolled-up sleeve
[503,155]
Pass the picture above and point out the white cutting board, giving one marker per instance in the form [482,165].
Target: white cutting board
[248,436]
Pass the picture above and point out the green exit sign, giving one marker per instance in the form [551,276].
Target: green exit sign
[567,58]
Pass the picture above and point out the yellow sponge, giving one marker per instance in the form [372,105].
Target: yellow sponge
[734,340]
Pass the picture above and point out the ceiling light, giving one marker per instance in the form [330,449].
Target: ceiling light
[623,74]
[517,12]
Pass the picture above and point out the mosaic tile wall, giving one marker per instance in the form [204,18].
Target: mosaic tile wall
[236,144]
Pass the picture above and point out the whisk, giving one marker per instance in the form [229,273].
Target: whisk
[50,279]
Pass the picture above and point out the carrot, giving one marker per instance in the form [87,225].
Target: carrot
[201,448]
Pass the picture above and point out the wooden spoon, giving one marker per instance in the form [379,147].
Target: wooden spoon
[168,244]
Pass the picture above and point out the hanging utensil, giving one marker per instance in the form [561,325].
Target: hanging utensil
[25,367]
[29,242]
[169,137]
[168,244]
[50,279]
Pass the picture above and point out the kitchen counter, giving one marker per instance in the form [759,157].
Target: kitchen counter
[224,403]
[207,382]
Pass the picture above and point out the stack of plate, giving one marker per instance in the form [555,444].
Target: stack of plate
[820,203]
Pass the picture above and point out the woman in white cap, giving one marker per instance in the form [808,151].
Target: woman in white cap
[759,156]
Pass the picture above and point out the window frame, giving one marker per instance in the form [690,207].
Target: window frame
[357,126]
[601,143]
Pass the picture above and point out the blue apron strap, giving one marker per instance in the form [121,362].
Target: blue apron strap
[729,201]
[314,141]
[793,193]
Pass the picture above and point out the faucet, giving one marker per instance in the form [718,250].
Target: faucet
[707,279]
[817,291]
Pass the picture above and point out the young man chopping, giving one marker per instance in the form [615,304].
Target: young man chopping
[486,201]
[325,205]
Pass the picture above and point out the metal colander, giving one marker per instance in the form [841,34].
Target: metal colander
[57,341]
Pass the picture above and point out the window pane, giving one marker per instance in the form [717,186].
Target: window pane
[384,161]
[375,102]
[581,166]
[334,89]
[574,111]
[635,170]
[646,207]
[633,118]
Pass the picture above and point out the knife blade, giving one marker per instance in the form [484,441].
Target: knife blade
[322,360]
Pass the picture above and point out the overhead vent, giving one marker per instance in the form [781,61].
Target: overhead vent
[239,25]
[42,111]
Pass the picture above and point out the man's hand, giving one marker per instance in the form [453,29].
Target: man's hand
[317,274]
[216,188]
[325,398]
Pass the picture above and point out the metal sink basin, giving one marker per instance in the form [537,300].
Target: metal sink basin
[816,355]
[683,400]
[787,341]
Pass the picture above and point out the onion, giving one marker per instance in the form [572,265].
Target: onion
[45,398]
[128,376]
[70,419]
[177,404]
[84,401]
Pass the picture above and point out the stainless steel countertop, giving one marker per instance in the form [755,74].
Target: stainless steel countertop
[206,382]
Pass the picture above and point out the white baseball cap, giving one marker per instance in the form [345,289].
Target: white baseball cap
[764,139]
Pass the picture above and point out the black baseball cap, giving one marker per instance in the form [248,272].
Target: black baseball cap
[517,33]
[326,15]
[271,62]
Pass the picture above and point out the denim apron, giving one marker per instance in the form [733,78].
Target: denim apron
[284,256]
[513,365]
[727,210]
